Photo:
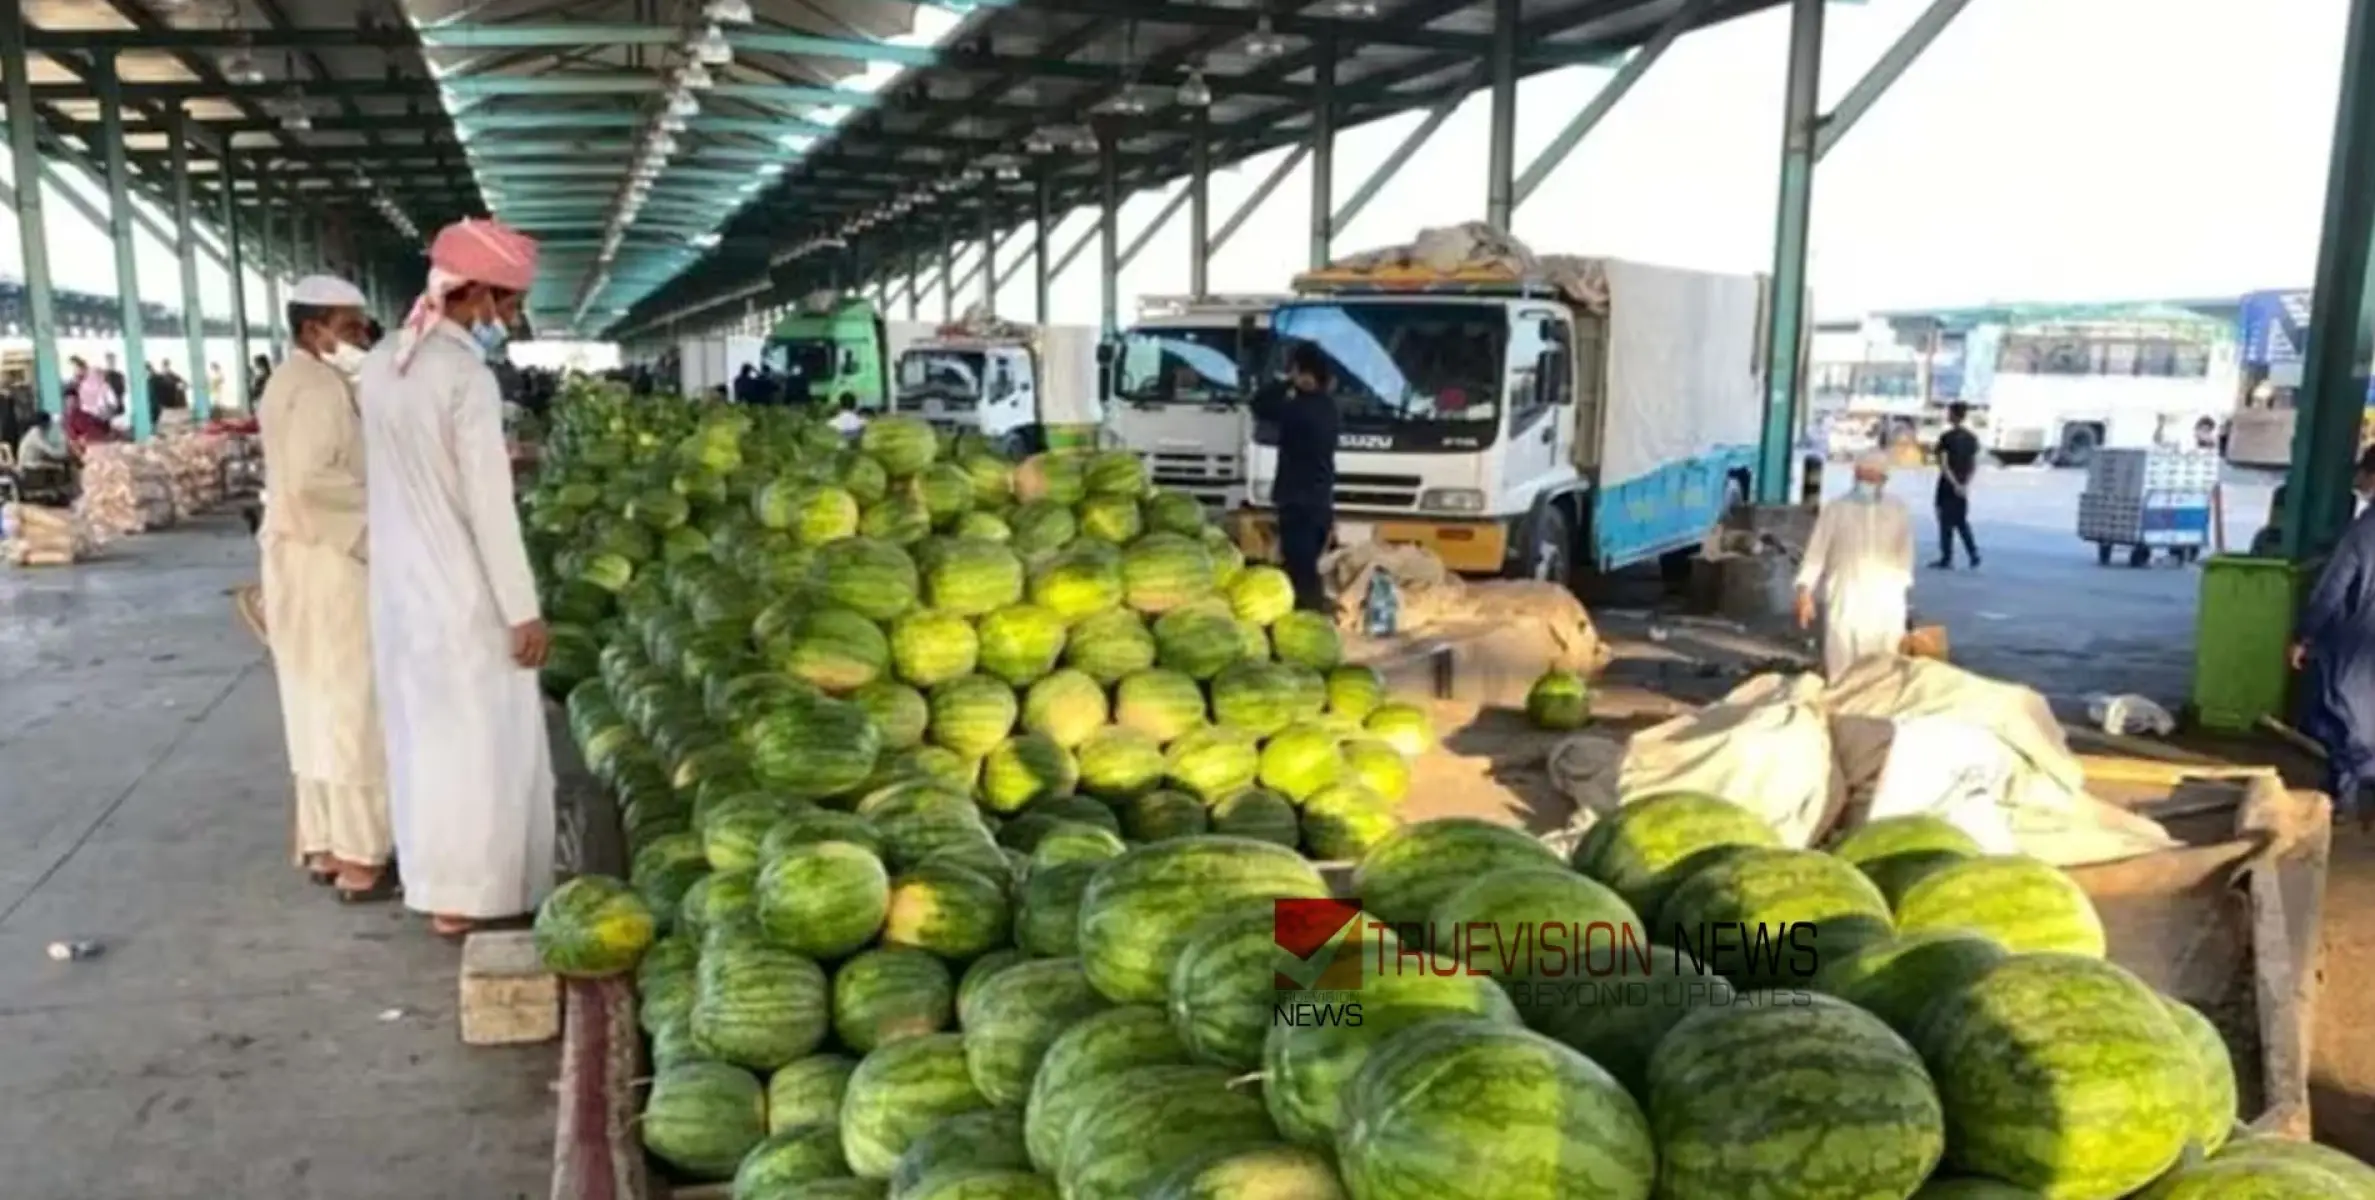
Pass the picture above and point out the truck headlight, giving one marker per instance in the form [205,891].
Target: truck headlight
[1260,491]
[1460,500]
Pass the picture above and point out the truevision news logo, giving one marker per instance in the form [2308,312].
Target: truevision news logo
[1327,951]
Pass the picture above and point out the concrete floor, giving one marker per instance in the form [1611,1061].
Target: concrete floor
[242,1034]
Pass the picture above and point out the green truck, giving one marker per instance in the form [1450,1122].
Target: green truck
[841,346]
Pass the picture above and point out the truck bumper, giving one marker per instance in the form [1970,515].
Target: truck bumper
[1469,547]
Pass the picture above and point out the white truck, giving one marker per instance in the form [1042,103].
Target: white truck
[1528,416]
[705,364]
[1020,385]
[1179,397]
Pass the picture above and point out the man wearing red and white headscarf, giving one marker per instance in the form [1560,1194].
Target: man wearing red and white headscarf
[456,632]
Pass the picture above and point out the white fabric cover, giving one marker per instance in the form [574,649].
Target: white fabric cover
[1682,367]
[470,772]
[1766,747]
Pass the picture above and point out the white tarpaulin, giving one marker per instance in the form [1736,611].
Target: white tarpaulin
[1682,367]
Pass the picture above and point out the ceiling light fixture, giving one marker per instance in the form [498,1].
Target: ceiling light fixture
[712,48]
[693,77]
[1264,41]
[1194,92]
[682,104]
[1356,8]
[1084,141]
[729,12]
[239,66]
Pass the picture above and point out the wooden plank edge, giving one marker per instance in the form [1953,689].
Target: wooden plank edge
[2287,946]
[596,1154]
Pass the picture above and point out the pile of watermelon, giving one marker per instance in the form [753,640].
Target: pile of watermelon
[963,797]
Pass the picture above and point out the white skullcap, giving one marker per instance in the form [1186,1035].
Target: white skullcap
[1874,462]
[327,291]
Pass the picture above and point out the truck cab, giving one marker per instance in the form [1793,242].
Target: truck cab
[1022,386]
[839,346]
[1179,394]
[1528,423]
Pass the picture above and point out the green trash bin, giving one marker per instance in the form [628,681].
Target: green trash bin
[2241,633]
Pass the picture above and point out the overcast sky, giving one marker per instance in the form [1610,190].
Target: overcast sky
[2043,149]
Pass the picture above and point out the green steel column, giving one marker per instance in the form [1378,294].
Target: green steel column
[1200,206]
[1785,311]
[127,246]
[235,262]
[268,257]
[185,238]
[1500,172]
[989,256]
[1042,217]
[2334,363]
[1109,231]
[1323,153]
[32,233]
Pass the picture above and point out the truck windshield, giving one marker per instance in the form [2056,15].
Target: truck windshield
[813,358]
[949,379]
[1182,366]
[1400,363]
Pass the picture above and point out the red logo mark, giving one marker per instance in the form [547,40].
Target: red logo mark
[1318,954]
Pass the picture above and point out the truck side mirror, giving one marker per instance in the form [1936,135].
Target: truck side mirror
[849,362]
[1106,353]
[1549,370]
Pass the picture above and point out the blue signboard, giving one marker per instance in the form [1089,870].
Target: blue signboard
[2275,330]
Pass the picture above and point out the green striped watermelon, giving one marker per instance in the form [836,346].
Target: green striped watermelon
[1098,1048]
[931,648]
[824,899]
[1654,843]
[1307,639]
[1376,766]
[1076,841]
[1110,646]
[664,982]
[904,445]
[1354,691]
[2024,904]
[1067,706]
[951,911]
[808,1091]
[978,976]
[1163,571]
[1729,1101]
[1047,918]
[1509,921]
[1114,519]
[703,1117]
[1162,704]
[1118,762]
[1078,584]
[819,825]
[813,751]
[900,1091]
[1197,639]
[869,575]
[1302,759]
[1261,594]
[1174,512]
[890,993]
[1158,815]
[1139,910]
[1143,1125]
[947,490]
[1941,1187]
[1404,877]
[1617,1013]
[1260,814]
[1224,986]
[984,525]
[1213,762]
[2229,1179]
[862,476]
[1016,1015]
[1437,1110]
[2356,1176]
[1898,979]
[719,900]
[986,1183]
[2216,1104]
[1559,700]
[1875,841]
[2061,1073]
[970,576]
[1024,770]
[1114,473]
[1258,697]
[1345,821]
[756,1004]
[1792,910]
[1271,1172]
[921,818]
[964,1144]
[899,712]
[791,1158]
[1405,727]
[814,515]
[972,715]
[900,518]
[1020,642]
[1042,526]
[593,926]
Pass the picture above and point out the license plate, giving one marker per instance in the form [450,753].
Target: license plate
[1355,533]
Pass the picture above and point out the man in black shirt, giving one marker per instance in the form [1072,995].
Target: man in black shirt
[1958,461]
[1302,407]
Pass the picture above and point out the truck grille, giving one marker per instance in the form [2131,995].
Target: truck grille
[1377,491]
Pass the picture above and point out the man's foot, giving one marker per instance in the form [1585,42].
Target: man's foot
[1974,562]
[359,883]
[321,868]
[452,929]
[1944,564]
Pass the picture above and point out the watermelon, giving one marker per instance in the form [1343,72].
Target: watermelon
[979,974]
[1067,706]
[1174,512]
[718,900]
[1257,697]
[1081,810]
[901,518]
[2214,1093]
[1729,1121]
[664,982]
[814,515]
[1013,1019]
[972,715]
[1113,519]
[1261,595]
[1509,919]
[1223,986]
[593,926]
[1253,642]
[1403,878]
[2024,904]
[1042,527]
[900,1091]
[1118,762]
[1197,640]
[732,833]
[1163,571]
[1139,910]
[1159,815]
[2357,1176]
[1047,918]
[813,751]
[1264,816]
[2227,1179]
[1114,473]
[1097,1048]
[1300,760]
[1269,1172]
[986,526]
[1162,704]
[1139,1127]
[948,910]
[1024,770]
[1020,642]
[904,445]
[1354,691]
[966,1144]
[899,712]
[819,825]
[947,491]
[1306,1067]
[1377,767]
[1213,762]
[1898,979]
[1405,727]
[1307,639]
[868,575]
[1109,646]
[938,764]
[1560,700]
[1652,844]
[993,479]
[891,993]
[703,1117]
[1875,841]
[807,1091]
[756,1004]
[984,1183]
[2061,1073]
[1616,1012]
[969,577]
[1076,842]
[923,818]
[790,1158]
[1344,822]
[824,899]
[931,648]
[1798,909]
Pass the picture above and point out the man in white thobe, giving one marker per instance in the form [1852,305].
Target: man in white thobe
[455,625]
[1858,568]
[317,594]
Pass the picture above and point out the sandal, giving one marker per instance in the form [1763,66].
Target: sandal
[322,869]
[452,929]
[383,887]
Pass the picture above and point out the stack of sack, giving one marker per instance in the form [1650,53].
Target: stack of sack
[126,489]
[195,463]
[40,536]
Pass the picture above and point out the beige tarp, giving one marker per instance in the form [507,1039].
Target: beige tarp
[1431,600]
[1476,246]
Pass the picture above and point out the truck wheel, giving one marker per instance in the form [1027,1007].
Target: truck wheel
[2103,554]
[2140,556]
[1550,555]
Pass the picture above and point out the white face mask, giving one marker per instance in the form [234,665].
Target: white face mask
[347,358]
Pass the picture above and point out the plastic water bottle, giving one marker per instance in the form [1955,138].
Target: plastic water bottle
[1381,608]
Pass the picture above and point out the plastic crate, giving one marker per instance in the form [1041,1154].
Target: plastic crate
[2243,629]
